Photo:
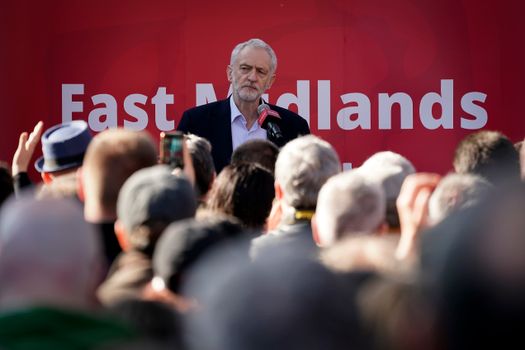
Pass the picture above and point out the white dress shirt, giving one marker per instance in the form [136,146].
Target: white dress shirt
[240,133]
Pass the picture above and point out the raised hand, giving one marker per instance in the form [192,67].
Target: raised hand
[26,148]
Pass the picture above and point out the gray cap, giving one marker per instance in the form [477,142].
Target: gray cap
[155,194]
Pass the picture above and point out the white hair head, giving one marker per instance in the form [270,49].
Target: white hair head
[349,203]
[303,166]
[456,191]
[259,44]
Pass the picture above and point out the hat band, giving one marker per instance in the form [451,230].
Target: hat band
[57,162]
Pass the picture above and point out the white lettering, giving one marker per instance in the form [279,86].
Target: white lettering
[478,112]
[140,115]
[109,110]
[362,109]
[204,93]
[68,105]
[301,100]
[447,107]
[406,110]
[357,113]
[160,100]
[323,105]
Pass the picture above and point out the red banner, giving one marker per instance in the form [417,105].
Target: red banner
[413,77]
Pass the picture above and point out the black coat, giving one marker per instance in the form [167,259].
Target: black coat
[213,122]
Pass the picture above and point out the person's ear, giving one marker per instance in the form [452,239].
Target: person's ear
[270,83]
[383,228]
[122,238]
[80,185]
[278,191]
[229,73]
[46,177]
[315,231]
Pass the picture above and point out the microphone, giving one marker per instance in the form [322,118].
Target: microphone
[269,120]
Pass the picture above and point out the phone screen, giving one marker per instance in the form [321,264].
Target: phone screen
[171,149]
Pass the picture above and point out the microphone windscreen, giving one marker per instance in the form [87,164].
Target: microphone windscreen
[262,107]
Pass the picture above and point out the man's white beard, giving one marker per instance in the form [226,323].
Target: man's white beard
[247,94]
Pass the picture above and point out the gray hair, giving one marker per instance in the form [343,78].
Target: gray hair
[302,167]
[456,191]
[389,169]
[348,204]
[259,44]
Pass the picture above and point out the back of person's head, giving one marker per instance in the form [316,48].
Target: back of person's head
[288,302]
[64,186]
[348,204]
[259,151]
[456,191]
[303,166]
[476,258]
[389,169]
[489,154]
[6,182]
[200,152]
[149,201]
[391,305]
[245,191]
[183,244]
[153,320]
[48,254]
[362,252]
[112,156]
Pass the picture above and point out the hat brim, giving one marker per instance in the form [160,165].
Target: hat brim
[41,168]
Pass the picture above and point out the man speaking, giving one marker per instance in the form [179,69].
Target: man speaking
[244,115]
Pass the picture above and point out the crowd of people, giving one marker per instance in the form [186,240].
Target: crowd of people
[280,250]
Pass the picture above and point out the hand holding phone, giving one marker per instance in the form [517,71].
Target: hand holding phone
[171,149]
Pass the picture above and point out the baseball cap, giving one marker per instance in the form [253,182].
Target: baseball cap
[155,194]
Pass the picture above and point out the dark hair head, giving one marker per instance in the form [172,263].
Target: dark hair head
[245,191]
[489,154]
[475,259]
[150,319]
[200,152]
[261,152]
[288,302]
[184,244]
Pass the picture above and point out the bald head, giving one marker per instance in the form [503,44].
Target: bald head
[48,253]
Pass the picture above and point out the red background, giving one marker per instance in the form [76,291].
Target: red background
[364,46]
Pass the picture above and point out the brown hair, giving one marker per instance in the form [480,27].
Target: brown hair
[111,157]
[245,191]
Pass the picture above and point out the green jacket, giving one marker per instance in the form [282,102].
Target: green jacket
[52,328]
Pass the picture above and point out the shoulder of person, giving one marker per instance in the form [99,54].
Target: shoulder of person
[292,118]
[262,243]
[207,107]
[283,112]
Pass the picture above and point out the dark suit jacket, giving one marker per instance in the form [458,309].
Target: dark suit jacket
[213,122]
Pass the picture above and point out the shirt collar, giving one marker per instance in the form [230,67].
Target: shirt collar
[235,113]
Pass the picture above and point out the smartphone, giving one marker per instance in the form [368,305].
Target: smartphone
[171,149]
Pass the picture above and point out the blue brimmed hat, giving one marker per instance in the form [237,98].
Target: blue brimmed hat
[64,146]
